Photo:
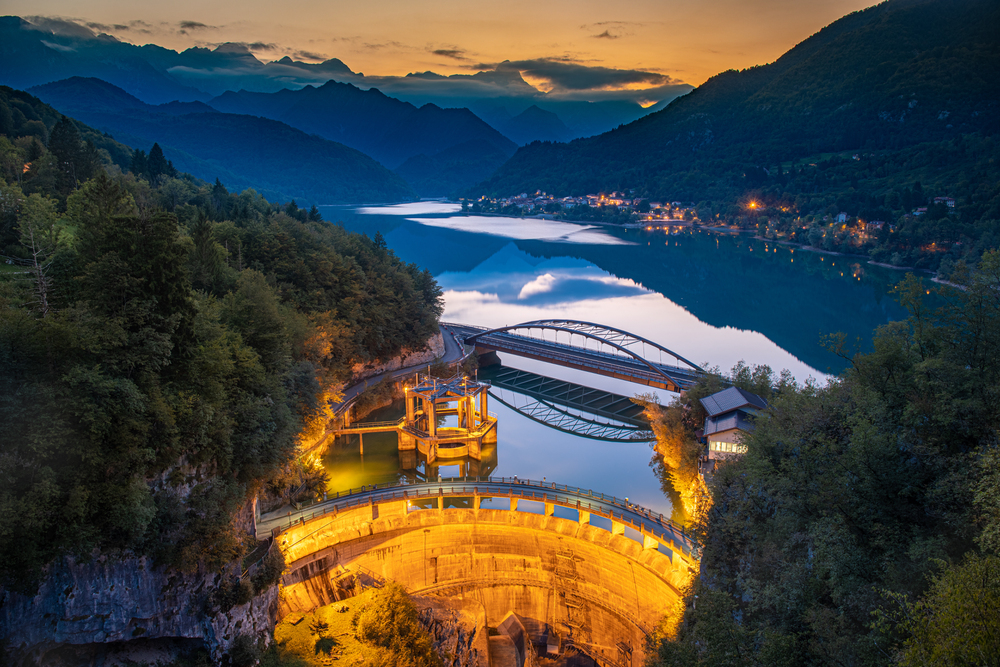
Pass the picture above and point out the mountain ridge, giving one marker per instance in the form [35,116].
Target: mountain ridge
[387,129]
[250,152]
[822,95]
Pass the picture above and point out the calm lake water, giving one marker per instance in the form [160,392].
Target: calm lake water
[713,298]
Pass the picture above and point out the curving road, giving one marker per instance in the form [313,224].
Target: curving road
[453,351]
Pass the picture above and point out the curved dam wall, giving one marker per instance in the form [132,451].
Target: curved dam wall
[602,590]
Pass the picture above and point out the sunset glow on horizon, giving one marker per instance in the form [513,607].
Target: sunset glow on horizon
[632,45]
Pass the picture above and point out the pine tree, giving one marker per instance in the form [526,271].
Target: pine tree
[66,146]
[156,164]
[138,164]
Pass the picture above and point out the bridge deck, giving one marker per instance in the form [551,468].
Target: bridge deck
[594,361]
[641,519]
[371,427]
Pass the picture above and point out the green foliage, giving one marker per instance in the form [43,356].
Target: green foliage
[270,569]
[159,359]
[390,624]
[956,622]
[856,489]
[246,651]
[987,490]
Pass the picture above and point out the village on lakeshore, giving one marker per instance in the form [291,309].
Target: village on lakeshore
[775,221]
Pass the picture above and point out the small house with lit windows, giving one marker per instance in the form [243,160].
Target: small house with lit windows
[729,412]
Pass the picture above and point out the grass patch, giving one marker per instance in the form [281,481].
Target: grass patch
[322,637]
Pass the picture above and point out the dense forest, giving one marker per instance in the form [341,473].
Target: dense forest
[862,526]
[873,116]
[163,344]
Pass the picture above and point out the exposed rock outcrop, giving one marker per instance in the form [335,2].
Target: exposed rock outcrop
[107,604]
[458,628]
[433,350]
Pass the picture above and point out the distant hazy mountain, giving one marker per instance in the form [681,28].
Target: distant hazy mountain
[534,124]
[891,76]
[30,56]
[387,129]
[52,50]
[437,175]
[243,151]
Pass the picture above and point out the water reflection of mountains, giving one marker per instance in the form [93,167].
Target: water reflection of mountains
[725,281]
[733,282]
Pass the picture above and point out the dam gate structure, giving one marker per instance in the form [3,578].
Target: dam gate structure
[428,400]
[594,571]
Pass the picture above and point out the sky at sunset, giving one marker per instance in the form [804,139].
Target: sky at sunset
[651,42]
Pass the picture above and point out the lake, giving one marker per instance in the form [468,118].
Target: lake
[714,298]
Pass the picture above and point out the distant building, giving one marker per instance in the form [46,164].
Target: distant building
[874,225]
[947,201]
[841,217]
[728,418]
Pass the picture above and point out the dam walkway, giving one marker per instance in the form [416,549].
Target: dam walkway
[654,528]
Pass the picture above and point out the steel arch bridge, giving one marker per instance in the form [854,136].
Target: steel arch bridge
[596,348]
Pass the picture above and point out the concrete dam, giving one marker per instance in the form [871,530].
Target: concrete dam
[577,567]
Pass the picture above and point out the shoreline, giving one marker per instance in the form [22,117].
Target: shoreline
[718,230]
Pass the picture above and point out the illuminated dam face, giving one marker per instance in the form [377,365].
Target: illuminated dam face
[601,589]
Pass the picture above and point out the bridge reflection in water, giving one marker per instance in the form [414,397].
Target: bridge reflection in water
[568,407]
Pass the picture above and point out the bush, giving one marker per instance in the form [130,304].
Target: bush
[270,569]
[390,624]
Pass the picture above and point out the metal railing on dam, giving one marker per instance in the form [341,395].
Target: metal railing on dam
[645,521]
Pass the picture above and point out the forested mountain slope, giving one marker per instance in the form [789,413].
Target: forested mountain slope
[875,115]
[164,344]
[897,74]
[385,128]
[243,151]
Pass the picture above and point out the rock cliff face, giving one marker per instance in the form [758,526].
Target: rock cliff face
[432,351]
[107,606]
[458,629]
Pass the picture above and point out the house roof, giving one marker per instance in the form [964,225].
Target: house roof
[731,399]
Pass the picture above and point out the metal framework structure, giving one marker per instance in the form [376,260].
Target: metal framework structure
[592,401]
[563,420]
[614,352]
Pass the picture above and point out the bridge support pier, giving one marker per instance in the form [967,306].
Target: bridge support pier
[513,504]
[441,502]
[584,517]
[617,528]
[649,542]
[476,502]
[550,509]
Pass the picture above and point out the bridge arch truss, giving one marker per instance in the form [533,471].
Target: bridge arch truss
[565,420]
[607,342]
